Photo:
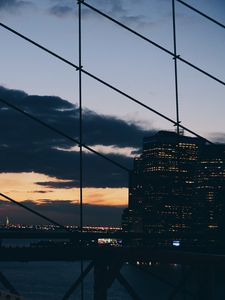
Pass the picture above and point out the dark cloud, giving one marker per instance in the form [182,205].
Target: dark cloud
[136,20]
[113,8]
[26,146]
[64,212]
[13,5]
[217,137]
[52,184]
[41,192]
[117,9]
[61,10]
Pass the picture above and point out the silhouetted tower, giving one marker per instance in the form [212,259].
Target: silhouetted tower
[7,222]
[176,191]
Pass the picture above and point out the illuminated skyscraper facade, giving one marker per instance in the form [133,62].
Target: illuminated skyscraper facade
[176,192]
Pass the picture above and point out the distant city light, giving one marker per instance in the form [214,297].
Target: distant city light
[176,243]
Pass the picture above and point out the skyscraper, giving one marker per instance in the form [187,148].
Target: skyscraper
[177,192]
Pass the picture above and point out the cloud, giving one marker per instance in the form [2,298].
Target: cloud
[122,10]
[61,10]
[93,214]
[26,146]
[217,137]
[66,184]
[41,192]
[13,5]
[115,7]
[111,149]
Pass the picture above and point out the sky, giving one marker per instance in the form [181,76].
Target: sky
[39,167]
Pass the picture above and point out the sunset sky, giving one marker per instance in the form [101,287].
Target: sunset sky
[40,167]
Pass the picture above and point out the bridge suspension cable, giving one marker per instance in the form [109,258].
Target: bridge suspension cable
[56,130]
[81,71]
[201,13]
[153,43]
[175,66]
[106,84]
[81,138]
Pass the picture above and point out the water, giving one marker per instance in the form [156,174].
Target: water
[51,280]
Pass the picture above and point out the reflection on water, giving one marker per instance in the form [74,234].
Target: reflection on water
[50,281]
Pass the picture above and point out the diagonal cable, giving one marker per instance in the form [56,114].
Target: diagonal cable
[146,106]
[201,13]
[62,134]
[152,42]
[39,45]
[4,280]
[35,212]
[128,287]
[108,85]
[78,281]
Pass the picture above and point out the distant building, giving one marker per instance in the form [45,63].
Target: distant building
[177,193]
[7,222]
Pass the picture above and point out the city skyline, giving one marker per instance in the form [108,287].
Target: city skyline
[176,192]
[32,63]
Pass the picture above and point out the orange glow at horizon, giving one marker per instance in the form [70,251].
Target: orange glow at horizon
[23,186]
